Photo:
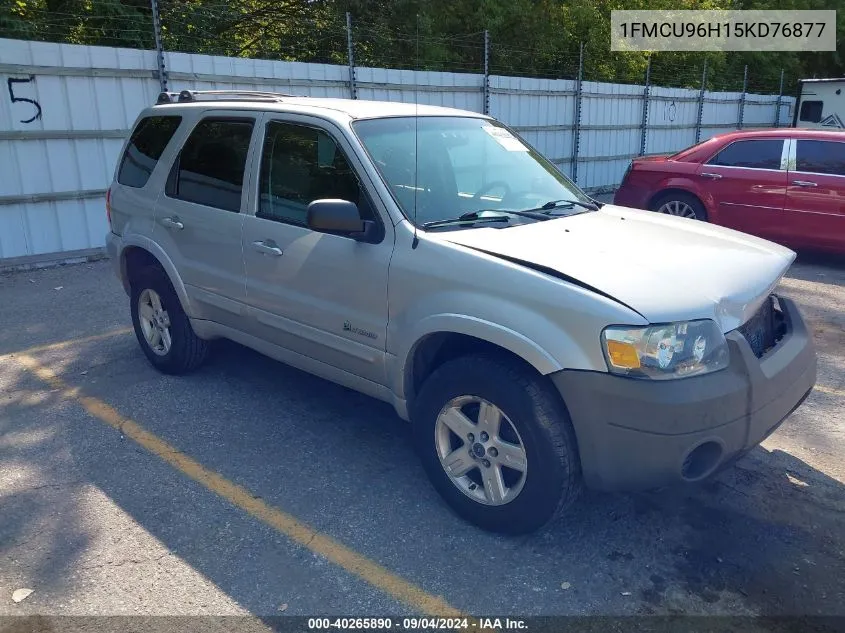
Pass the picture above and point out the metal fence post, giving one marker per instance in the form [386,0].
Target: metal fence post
[742,98]
[350,52]
[701,103]
[646,91]
[780,99]
[162,71]
[576,130]
[486,105]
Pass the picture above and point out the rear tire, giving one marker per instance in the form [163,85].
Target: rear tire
[162,328]
[680,204]
[483,487]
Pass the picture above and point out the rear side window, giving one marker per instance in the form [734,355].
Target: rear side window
[210,167]
[811,111]
[146,145]
[752,154]
[820,157]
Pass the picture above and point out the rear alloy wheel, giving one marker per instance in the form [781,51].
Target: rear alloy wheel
[680,204]
[154,322]
[497,443]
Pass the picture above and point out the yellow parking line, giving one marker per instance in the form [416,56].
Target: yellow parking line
[287,524]
[829,391]
[69,342]
[293,528]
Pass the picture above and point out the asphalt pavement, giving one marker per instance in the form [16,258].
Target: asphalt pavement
[251,488]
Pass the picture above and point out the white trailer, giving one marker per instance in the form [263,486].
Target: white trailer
[821,104]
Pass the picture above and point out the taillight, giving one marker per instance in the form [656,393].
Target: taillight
[108,205]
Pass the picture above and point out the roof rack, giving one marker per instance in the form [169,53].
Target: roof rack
[188,96]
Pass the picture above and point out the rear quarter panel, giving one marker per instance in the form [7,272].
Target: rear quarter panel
[133,208]
[648,179]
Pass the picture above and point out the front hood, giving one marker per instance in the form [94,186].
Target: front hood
[664,267]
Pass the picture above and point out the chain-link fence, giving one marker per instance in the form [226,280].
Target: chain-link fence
[588,111]
[317,32]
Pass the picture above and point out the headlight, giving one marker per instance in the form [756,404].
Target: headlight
[660,352]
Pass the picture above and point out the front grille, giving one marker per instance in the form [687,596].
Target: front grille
[765,328]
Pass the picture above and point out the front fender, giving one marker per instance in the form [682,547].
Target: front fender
[500,335]
[550,323]
[503,336]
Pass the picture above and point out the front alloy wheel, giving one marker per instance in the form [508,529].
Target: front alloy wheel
[481,451]
[496,442]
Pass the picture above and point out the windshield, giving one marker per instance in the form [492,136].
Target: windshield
[466,165]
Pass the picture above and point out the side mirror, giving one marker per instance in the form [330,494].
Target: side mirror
[339,216]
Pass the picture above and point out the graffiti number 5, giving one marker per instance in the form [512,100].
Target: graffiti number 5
[11,84]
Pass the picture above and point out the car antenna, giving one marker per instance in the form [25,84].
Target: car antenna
[416,240]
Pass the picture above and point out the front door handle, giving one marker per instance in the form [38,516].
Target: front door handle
[173,223]
[711,175]
[267,247]
[804,183]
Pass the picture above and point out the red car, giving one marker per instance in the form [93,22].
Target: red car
[785,185]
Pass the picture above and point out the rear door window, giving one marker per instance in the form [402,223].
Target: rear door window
[751,154]
[210,168]
[820,157]
[146,145]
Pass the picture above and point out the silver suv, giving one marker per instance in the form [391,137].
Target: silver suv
[536,340]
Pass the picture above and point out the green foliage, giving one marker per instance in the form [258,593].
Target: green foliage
[105,22]
[529,37]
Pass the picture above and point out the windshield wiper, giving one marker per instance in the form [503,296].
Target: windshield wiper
[475,216]
[467,218]
[554,204]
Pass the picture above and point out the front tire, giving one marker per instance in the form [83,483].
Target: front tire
[161,326]
[497,443]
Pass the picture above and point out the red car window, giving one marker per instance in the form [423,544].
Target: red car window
[752,154]
[820,157]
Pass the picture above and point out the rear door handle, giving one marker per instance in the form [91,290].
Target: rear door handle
[711,175]
[267,247]
[804,183]
[173,223]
